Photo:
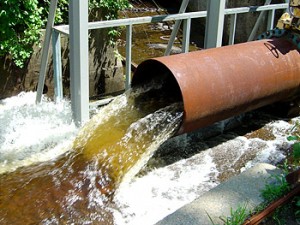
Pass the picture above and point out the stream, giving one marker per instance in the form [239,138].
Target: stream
[126,165]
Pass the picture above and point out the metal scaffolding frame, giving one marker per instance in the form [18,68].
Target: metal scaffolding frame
[78,34]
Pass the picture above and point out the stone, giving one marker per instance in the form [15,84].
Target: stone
[106,72]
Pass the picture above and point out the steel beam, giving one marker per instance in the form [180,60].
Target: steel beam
[57,67]
[186,35]
[214,24]
[45,51]
[233,18]
[79,64]
[258,22]
[176,27]
[128,56]
[64,29]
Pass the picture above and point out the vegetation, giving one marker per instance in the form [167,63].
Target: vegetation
[237,217]
[296,145]
[296,164]
[273,192]
[21,23]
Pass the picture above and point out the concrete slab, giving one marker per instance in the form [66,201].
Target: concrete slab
[218,202]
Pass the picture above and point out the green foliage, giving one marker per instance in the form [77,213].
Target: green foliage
[276,190]
[21,22]
[61,16]
[296,144]
[297,206]
[296,162]
[237,217]
[296,147]
[110,7]
[273,192]
[20,28]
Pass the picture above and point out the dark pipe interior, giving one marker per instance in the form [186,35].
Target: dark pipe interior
[152,71]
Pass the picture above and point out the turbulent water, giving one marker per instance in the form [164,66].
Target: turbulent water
[77,187]
[51,173]
[31,133]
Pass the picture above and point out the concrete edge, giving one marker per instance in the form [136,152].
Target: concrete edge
[243,189]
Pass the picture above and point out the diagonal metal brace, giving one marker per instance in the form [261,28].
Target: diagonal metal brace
[45,51]
[176,27]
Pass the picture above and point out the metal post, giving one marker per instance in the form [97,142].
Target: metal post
[58,88]
[258,22]
[214,24]
[45,51]
[232,28]
[79,65]
[176,27]
[186,35]
[271,16]
[128,56]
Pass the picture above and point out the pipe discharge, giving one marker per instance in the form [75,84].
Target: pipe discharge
[215,84]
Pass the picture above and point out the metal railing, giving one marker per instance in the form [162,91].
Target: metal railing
[213,35]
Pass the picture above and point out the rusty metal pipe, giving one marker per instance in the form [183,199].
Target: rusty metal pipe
[216,84]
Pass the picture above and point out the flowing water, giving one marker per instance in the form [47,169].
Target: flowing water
[77,187]
[53,173]
[47,178]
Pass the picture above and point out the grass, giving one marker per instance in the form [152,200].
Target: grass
[237,217]
[274,191]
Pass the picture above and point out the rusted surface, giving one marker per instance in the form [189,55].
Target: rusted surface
[218,83]
[295,191]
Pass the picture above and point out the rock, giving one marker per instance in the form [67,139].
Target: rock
[106,72]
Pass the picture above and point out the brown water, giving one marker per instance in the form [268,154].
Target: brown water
[151,40]
[78,187]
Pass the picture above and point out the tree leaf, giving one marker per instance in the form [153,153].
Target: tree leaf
[296,148]
[292,138]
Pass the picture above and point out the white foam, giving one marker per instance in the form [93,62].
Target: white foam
[31,133]
[148,199]
[275,149]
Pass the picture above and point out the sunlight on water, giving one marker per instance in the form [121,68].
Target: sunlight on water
[33,133]
[123,142]
[78,186]
[49,179]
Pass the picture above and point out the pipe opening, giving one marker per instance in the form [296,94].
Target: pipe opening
[218,83]
[153,72]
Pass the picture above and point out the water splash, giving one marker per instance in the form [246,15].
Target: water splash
[174,183]
[78,186]
[72,188]
[33,133]
[125,140]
